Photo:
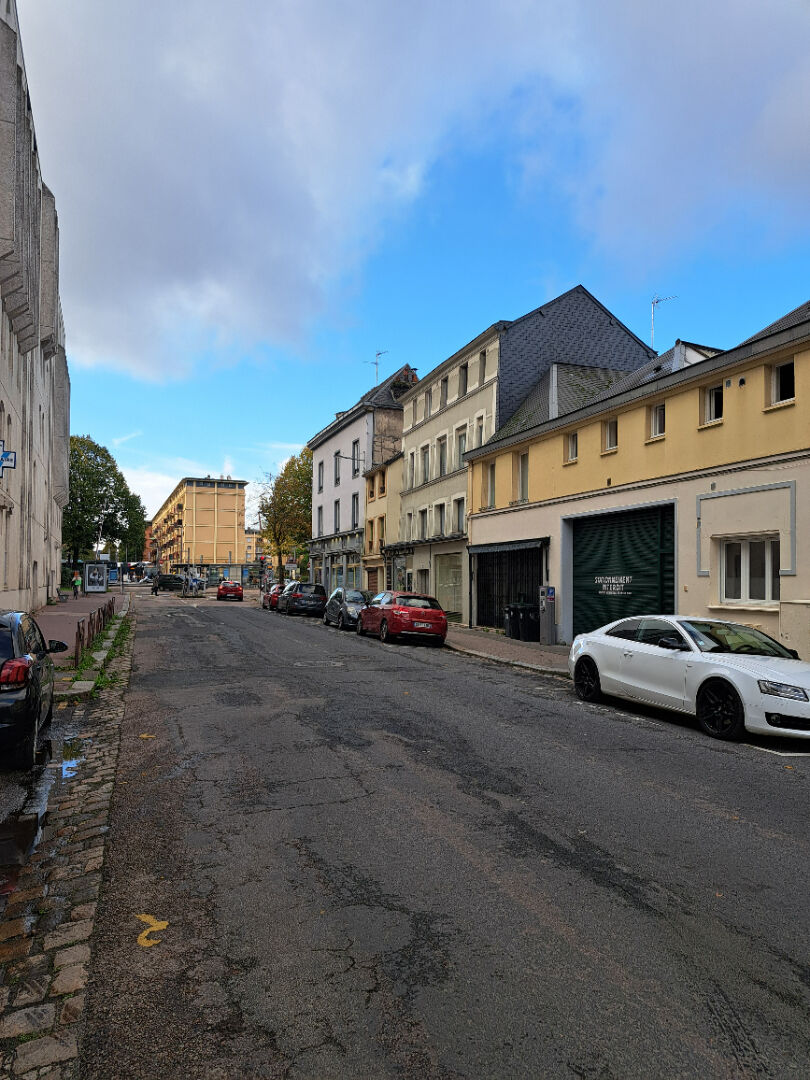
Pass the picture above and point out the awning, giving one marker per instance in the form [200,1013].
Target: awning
[509,545]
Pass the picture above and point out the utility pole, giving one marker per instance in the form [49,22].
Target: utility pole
[656,300]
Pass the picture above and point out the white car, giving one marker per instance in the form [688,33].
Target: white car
[731,677]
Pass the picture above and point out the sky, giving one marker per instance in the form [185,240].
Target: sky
[256,197]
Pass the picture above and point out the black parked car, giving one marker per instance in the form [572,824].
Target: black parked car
[170,581]
[343,606]
[26,687]
[303,598]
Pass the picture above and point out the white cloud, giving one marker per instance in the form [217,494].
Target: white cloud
[216,169]
[125,438]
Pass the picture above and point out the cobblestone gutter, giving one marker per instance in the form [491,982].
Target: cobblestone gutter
[47,926]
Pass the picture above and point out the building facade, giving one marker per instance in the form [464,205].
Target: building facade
[382,567]
[685,488]
[202,523]
[356,440]
[459,405]
[34,381]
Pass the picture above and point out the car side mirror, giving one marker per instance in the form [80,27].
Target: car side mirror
[58,646]
[673,643]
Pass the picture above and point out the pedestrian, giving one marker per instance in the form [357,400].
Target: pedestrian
[76,582]
[156,584]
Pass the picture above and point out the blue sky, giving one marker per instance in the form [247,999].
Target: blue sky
[251,208]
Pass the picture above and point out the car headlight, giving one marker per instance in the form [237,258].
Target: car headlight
[780,689]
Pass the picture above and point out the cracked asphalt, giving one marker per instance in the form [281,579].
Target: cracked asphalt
[396,861]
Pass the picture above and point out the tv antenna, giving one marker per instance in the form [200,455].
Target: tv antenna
[376,363]
[656,300]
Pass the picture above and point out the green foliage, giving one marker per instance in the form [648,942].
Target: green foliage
[286,508]
[101,507]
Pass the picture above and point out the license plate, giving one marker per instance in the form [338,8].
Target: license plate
[423,625]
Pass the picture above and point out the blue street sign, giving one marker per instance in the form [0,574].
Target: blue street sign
[8,458]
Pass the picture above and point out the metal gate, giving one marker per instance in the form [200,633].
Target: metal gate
[506,577]
[624,564]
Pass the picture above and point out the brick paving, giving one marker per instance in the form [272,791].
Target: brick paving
[492,645]
[48,921]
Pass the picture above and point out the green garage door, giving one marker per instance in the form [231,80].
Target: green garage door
[624,564]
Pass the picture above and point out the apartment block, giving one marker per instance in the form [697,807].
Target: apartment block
[202,523]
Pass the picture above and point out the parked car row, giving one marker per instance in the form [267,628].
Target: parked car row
[390,615]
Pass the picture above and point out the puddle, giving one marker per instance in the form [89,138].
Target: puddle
[71,767]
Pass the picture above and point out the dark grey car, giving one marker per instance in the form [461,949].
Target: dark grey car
[26,687]
[302,598]
[343,606]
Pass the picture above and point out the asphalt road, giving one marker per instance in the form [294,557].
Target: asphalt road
[395,861]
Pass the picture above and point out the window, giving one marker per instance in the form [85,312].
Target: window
[783,383]
[428,403]
[443,392]
[479,431]
[462,380]
[409,527]
[382,482]
[320,521]
[713,404]
[412,469]
[491,484]
[651,631]
[461,447]
[422,524]
[459,517]
[571,446]
[371,489]
[320,476]
[441,446]
[610,435]
[337,467]
[482,365]
[438,519]
[523,477]
[355,510]
[658,420]
[337,515]
[425,464]
[750,570]
[370,535]
[356,457]
[381,531]
[625,630]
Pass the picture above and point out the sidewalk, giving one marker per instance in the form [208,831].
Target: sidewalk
[59,620]
[491,645]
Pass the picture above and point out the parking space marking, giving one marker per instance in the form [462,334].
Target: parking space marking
[779,753]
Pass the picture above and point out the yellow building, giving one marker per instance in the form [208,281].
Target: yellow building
[202,523]
[683,488]
[382,566]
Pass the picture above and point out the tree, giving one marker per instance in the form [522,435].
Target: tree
[101,507]
[286,508]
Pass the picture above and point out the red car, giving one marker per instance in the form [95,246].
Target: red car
[270,597]
[395,614]
[229,590]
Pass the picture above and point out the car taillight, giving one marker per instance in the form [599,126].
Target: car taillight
[14,673]
[400,611]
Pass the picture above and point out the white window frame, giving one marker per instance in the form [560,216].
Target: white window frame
[355,510]
[319,520]
[424,450]
[658,420]
[412,469]
[710,414]
[459,515]
[775,370]
[337,467]
[461,433]
[491,484]
[463,384]
[444,390]
[356,457]
[572,446]
[320,476]
[610,435]
[523,476]
[441,456]
[423,524]
[745,598]
[439,519]
[336,515]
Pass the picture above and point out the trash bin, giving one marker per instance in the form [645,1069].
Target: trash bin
[532,624]
[507,620]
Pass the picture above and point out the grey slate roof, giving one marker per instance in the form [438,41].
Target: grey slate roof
[384,396]
[793,318]
[571,329]
[576,386]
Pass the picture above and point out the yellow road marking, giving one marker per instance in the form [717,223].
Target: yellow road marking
[147,736]
[153,925]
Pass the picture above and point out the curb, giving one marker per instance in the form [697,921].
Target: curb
[82,689]
[560,673]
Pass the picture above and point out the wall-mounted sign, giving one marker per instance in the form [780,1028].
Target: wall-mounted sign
[614,584]
[8,458]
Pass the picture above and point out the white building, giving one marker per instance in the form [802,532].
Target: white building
[34,382]
[365,435]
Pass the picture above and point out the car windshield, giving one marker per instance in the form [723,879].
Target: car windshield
[716,637]
[357,596]
[418,602]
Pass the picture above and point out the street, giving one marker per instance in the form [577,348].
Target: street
[396,861]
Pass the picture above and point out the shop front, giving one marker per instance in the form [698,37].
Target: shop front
[505,573]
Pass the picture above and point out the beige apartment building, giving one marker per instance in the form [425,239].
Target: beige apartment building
[202,523]
[383,484]
[34,382]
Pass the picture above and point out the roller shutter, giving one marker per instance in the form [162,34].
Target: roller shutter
[624,564]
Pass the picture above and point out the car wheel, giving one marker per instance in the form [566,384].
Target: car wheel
[359,628]
[385,634]
[720,712]
[325,619]
[586,680]
[438,642]
[340,623]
